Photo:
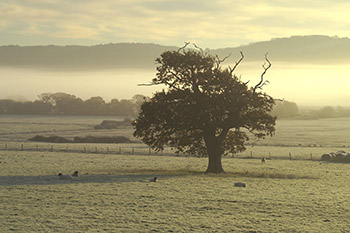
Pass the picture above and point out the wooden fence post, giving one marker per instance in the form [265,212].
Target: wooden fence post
[120,150]
[290,155]
[107,150]
[22,147]
[311,155]
[84,149]
[51,148]
[251,153]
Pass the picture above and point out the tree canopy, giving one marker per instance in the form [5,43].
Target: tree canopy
[205,109]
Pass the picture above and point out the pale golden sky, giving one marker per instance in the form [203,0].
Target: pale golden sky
[212,24]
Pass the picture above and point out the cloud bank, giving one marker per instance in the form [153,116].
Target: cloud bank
[213,24]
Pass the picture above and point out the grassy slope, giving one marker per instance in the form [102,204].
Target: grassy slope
[114,195]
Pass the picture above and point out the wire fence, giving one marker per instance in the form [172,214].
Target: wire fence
[83,148]
[256,152]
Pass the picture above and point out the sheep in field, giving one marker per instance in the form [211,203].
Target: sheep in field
[154,179]
[75,174]
[65,177]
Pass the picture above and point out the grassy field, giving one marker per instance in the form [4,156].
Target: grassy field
[303,139]
[328,132]
[17,128]
[333,132]
[114,194]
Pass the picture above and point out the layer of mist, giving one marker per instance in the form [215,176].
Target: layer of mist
[314,85]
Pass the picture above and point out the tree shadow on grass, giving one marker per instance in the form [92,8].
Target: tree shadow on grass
[128,177]
[270,175]
[88,178]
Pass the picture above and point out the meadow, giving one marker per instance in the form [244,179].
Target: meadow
[303,139]
[113,193]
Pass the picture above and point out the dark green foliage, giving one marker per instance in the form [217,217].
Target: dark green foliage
[205,110]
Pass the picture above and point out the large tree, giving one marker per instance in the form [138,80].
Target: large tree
[205,109]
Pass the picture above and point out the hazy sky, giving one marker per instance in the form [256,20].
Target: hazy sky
[212,24]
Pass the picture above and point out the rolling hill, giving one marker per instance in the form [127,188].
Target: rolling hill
[301,49]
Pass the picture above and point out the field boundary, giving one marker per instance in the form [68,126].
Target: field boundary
[256,152]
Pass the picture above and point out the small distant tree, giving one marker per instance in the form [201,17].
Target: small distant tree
[94,106]
[62,103]
[326,112]
[285,109]
[206,110]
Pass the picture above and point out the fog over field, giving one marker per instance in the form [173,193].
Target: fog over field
[21,84]
[309,70]
[316,85]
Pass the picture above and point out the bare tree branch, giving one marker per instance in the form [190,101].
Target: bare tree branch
[224,59]
[183,47]
[237,63]
[262,82]
[197,47]
[219,61]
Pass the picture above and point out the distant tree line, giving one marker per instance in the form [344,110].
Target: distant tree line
[66,104]
[287,109]
[326,112]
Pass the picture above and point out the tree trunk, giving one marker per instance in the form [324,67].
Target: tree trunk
[215,151]
[214,164]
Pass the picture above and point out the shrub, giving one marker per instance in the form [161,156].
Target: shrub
[87,139]
[338,157]
[55,139]
[326,157]
[112,124]
[102,139]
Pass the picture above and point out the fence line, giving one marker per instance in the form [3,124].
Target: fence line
[76,148]
[138,149]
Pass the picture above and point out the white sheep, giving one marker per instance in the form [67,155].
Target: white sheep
[65,177]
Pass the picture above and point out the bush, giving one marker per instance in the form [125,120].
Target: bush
[102,139]
[338,157]
[87,139]
[55,139]
[326,157]
[111,124]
